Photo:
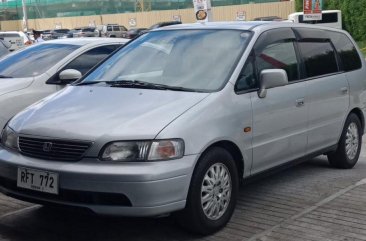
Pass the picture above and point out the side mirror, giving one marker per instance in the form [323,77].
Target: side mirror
[271,78]
[69,75]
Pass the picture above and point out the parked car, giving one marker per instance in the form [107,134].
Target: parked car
[134,32]
[58,33]
[113,31]
[26,38]
[173,121]
[28,75]
[160,25]
[16,39]
[164,24]
[84,32]
[4,48]
[30,35]
[70,34]
[98,31]
[46,34]
[268,18]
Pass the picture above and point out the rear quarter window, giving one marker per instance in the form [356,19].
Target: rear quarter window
[346,51]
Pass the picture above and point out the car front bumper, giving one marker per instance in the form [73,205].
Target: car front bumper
[124,189]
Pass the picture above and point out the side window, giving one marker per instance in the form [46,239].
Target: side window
[346,51]
[278,55]
[109,28]
[246,80]
[319,58]
[115,28]
[89,59]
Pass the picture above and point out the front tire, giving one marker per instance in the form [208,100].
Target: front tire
[212,194]
[349,146]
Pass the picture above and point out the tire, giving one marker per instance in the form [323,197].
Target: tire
[346,157]
[193,217]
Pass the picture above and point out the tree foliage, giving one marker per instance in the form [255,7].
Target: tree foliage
[353,13]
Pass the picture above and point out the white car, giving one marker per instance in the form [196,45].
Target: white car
[15,39]
[33,73]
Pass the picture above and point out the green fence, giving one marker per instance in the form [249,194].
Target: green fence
[12,10]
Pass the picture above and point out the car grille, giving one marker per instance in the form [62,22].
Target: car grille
[53,149]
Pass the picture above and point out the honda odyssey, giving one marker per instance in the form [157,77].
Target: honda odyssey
[175,119]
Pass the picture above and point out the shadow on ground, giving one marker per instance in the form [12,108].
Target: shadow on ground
[262,203]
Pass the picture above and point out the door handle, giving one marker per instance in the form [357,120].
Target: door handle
[344,90]
[300,102]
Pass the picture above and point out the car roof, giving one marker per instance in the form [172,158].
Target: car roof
[215,25]
[9,32]
[241,25]
[85,41]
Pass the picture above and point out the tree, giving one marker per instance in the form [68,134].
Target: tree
[353,15]
[298,5]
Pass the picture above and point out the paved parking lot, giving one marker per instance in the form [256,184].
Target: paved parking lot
[310,201]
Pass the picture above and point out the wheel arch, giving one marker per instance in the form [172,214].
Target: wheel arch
[234,150]
[358,112]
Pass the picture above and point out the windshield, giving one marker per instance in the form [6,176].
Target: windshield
[34,60]
[192,59]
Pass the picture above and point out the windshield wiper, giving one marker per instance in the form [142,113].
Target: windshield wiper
[147,85]
[135,84]
[90,83]
[5,77]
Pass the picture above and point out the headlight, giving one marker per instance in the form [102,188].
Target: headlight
[9,138]
[143,150]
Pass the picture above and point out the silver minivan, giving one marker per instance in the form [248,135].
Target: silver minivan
[175,119]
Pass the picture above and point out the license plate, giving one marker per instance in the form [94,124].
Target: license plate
[37,180]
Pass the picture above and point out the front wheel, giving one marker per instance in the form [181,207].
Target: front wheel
[212,194]
[349,146]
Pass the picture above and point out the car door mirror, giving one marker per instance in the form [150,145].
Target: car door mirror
[69,75]
[271,78]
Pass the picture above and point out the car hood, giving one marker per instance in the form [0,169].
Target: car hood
[104,113]
[8,85]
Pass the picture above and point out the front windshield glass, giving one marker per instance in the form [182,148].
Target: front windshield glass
[193,59]
[34,60]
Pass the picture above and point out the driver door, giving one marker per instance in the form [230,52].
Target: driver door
[280,119]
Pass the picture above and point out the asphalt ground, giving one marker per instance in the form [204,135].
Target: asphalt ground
[309,201]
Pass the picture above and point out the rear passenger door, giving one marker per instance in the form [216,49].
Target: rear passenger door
[279,119]
[328,90]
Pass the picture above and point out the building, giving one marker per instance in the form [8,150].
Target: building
[46,14]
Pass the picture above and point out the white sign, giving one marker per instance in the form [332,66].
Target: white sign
[311,17]
[240,16]
[132,22]
[177,18]
[58,26]
[202,9]
[92,24]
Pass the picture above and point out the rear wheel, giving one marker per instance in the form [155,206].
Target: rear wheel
[349,146]
[212,194]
